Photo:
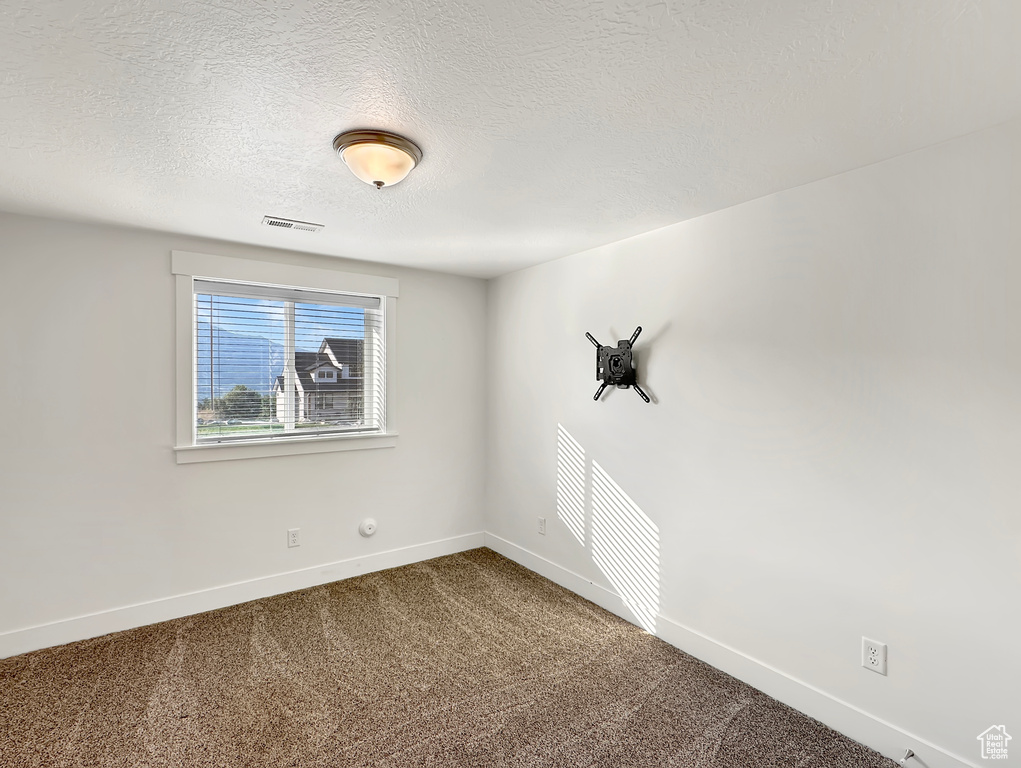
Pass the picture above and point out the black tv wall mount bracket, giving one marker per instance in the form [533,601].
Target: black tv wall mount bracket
[614,365]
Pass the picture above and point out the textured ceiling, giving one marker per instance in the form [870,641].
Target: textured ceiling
[547,127]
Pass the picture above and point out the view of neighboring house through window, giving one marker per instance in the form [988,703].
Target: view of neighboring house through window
[274,362]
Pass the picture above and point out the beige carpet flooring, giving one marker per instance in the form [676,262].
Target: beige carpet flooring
[467,660]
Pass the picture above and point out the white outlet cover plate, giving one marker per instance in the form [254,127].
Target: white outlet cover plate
[294,537]
[873,655]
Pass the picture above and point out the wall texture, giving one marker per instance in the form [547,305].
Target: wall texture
[94,512]
[834,443]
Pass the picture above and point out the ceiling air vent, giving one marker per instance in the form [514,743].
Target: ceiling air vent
[302,226]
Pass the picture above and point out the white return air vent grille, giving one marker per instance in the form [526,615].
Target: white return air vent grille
[302,226]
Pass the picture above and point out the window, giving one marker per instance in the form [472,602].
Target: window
[259,345]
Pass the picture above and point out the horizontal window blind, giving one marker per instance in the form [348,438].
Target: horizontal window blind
[279,363]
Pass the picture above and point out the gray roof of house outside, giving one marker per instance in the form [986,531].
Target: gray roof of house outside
[348,352]
[306,362]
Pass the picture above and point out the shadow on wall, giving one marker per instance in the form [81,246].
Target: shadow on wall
[623,541]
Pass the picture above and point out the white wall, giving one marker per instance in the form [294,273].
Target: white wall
[835,444]
[94,512]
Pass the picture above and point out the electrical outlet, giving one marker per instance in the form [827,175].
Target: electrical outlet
[873,655]
[542,525]
[294,537]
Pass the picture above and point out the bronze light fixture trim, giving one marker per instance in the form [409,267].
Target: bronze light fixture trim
[379,158]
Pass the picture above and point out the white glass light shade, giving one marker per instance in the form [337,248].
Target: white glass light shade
[378,157]
[378,164]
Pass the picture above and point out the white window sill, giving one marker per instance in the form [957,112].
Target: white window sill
[191,454]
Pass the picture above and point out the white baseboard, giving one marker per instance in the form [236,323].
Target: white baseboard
[131,616]
[884,737]
[874,732]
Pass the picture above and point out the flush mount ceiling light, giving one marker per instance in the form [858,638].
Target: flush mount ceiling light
[378,157]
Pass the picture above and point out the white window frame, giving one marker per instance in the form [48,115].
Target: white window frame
[187,267]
